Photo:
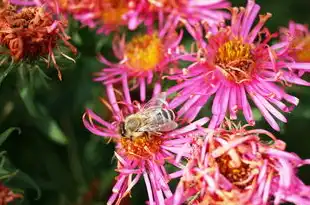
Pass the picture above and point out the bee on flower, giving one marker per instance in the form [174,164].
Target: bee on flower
[236,64]
[233,165]
[31,33]
[147,137]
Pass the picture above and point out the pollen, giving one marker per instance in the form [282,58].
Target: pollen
[301,49]
[236,175]
[142,147]
[144,52]
[235,60]
[113,11]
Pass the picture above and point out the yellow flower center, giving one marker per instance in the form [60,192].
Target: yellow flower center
[142,147]
[301,47]
[113,11]
[144,52]
[235,60]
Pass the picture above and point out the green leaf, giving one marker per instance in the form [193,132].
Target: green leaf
[42,119]
[50,127]
[6,134]
[6,72]
[23,178]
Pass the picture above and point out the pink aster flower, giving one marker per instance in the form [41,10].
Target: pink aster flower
[233,166]
[143,156]
[294,46]
[236,65]
[143,59]
[192,11]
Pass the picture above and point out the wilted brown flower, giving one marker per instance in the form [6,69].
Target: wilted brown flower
[31,32]
[7,196]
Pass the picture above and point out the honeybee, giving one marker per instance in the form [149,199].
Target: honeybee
[152,119]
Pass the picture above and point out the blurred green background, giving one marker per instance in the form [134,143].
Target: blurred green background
[73,167]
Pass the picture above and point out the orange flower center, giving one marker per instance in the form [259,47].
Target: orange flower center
[301,49]
[235,60]
[144,146]
[63,4]
[113,11]
[144,52]
[236,175]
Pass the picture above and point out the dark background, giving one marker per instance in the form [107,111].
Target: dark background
[70,165]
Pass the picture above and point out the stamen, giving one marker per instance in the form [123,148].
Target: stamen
[144,146]
[235,60]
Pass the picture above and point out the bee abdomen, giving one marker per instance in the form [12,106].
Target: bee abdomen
[168,114]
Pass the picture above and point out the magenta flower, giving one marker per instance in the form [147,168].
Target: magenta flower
[235,64]
[193,11]
[294,47]
[143,156]
[233,166]
[143,59]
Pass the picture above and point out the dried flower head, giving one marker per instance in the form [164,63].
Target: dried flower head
[7,196]
[143,153]
[234,65]
[233,165]
[31,33]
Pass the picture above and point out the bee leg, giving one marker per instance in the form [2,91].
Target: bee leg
[147,134]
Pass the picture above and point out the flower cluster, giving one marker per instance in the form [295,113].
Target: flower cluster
[234,63]
[110,15]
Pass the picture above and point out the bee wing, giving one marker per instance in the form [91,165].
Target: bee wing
[166,127]
[156,101]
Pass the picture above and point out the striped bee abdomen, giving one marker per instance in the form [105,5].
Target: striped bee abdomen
[165,115]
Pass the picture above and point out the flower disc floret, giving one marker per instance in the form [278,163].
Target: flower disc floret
[302,46]
[112,11]
[235,60]
[144,52]
[142,147]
